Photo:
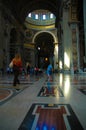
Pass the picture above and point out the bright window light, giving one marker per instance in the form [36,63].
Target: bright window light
[44,17]
[29,15]
[36,16]
[60,64]
[61,80]
[56,50]
[66,60]
[51,16]
[67,86]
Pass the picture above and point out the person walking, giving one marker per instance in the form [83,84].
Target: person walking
[49,72]
[17,64]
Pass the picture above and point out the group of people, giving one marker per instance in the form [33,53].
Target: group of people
[17,65]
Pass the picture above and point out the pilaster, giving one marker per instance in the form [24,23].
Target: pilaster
[73,24]
[75,46]
[66,41]
[55,56]
[84,16]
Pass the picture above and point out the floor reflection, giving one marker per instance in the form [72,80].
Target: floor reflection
[67,86]
[51,88]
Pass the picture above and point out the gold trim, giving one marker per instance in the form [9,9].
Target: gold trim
[29,45]
[39,27]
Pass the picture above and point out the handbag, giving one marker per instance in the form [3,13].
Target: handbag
[11,64]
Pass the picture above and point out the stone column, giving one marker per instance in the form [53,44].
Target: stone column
[33,55]
[84,14]
[1,38]
[55,56]
[1,27]
[73,23]
[18,41]
[66,41]
[75,46]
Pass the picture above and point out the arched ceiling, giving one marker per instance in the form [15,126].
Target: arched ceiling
[44,41]
[21,8]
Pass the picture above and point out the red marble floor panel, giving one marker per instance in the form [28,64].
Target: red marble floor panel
[4,94]
[50,117]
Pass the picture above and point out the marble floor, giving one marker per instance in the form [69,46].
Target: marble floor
[39,104]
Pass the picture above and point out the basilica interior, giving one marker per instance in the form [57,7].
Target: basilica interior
[43,31]
[31,27]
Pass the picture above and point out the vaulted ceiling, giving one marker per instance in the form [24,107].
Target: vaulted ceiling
[21,8]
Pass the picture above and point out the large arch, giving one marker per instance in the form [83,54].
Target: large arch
[48,44]
[52,34]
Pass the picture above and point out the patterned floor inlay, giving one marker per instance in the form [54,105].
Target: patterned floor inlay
[12,83]
[7,90]
[50,89]
[83,91]
[9,80]
[50,117]
[54,91]
[4,94]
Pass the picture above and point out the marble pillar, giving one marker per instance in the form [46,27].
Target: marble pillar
[84,14]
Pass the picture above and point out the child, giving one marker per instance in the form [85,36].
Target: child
[49,72]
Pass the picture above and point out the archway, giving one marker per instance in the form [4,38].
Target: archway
[44,49]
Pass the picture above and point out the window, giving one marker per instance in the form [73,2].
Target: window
[51,16]
[44,17]
[36,16]
[29,15]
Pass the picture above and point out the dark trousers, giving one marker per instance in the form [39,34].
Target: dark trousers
[16,71]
